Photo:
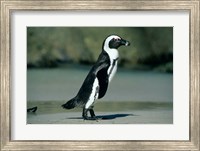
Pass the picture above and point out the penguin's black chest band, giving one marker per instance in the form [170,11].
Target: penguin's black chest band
[113,65]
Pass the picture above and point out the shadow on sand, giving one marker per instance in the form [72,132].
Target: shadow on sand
[107,117]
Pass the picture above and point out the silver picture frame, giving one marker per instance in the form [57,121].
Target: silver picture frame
[7,6]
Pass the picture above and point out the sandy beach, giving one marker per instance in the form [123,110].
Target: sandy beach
[137,117]
[133,97]
[131,113]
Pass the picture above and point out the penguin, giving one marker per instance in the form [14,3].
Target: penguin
[96,82]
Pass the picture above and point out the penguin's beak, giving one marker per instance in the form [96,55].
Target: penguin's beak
[125,42]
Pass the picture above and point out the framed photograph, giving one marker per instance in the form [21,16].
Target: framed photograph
[61,89]
[50,81]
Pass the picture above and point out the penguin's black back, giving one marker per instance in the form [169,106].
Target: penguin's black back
[99,71]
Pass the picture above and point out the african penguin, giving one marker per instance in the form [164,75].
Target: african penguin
[96,83]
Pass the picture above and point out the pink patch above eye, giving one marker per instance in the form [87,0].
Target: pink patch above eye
[116,39]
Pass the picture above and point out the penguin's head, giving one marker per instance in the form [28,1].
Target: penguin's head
[114,42]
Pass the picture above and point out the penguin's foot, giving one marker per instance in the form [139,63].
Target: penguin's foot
[86,117]
[91,118]
[92,113]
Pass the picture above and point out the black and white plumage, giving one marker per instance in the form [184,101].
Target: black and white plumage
[96,83]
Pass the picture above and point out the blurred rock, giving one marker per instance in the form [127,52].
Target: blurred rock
[48,47]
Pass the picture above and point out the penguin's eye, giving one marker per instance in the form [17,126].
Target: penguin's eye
[116,39]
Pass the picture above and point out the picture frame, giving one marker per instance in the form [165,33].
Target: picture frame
[6,72]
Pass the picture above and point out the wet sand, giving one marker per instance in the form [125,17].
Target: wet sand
[158,114]
[136,117]
[127,85]
[133,97]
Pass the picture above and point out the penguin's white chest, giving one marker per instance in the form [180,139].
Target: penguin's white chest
[113,55]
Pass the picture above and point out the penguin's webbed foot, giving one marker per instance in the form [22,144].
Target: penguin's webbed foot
[90,118]
[92,113]
[86,117]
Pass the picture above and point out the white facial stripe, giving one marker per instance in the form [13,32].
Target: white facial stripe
[106,44]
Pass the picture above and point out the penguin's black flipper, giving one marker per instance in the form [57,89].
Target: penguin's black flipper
[102,66]
[70,104]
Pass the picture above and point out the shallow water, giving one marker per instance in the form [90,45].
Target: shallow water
[128,85]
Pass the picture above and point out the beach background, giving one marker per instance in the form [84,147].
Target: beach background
[59,59]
